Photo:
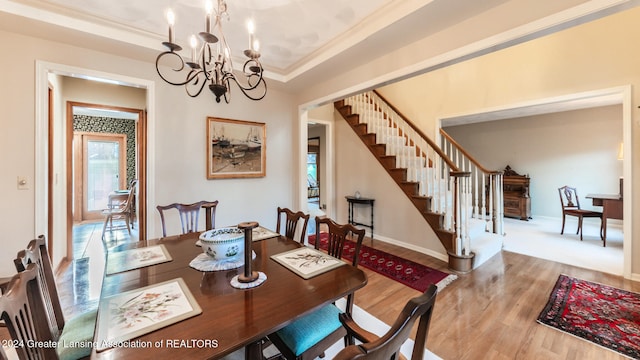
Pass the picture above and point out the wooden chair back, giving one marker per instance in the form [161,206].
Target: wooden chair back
[388,345]
[189,215]
[210,213]
[291,223]
[22,310]
[569,198]
[36,253]
[337,236]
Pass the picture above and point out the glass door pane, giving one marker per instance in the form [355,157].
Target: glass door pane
[103,172]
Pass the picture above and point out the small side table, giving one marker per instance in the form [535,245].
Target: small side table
[363,201]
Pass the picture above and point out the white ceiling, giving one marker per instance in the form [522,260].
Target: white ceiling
[301,40]
[297,37]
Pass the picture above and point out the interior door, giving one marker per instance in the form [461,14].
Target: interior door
[103,171]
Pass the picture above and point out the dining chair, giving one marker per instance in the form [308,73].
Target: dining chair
[189,216]
[388,345]
[22,310]
[210,213]
[571,206]
[291,223]
[311,335]
[78,329]
[123,210]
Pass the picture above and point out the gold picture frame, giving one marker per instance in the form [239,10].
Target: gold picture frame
[236,149]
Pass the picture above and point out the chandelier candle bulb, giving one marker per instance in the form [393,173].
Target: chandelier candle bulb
[171,18]
[194,45]
[209,9]
[251,27]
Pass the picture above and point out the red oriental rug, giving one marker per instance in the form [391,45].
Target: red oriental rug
[407,272]
[602,314]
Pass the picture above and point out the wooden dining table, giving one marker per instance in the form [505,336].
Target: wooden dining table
[231,318]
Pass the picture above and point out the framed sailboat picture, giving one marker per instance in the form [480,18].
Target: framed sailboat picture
[235,148]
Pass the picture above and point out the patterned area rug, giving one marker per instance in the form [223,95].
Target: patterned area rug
[602,314]
[407,272]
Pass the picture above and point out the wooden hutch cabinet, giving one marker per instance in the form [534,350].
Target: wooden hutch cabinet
[517,202]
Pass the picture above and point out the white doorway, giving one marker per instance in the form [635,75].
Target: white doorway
[52,173]
[611,96]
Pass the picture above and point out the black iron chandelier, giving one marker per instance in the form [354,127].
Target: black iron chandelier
[210,63]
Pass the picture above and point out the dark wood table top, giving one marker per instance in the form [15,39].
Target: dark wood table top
[232,317]
[604,196]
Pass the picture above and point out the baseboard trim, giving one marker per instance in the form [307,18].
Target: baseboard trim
[440,256]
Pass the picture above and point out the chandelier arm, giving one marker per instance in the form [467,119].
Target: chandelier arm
[192,74]
[246,90]
[204,82]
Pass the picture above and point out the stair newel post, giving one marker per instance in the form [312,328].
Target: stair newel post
[483,191]
[461,258]
[476,210]
[492,200]
[500,205]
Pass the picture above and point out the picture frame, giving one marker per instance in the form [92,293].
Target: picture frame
[235,148]
[134,313]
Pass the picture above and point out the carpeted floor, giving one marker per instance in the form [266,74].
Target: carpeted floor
[414,275]
[602,314]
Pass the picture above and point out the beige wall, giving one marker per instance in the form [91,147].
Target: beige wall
[178,140]
[577,148]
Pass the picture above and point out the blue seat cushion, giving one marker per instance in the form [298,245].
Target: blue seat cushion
[307,331]
[77,336]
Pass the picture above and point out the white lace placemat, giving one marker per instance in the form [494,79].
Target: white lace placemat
[204,262]
[240,285]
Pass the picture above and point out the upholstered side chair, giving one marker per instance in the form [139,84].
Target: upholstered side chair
[311,335]
[388,345]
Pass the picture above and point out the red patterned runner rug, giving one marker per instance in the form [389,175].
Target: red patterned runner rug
[602,314]
[407,272]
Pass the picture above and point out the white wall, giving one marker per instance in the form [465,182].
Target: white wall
[396,220]
[576,148]
[179,141]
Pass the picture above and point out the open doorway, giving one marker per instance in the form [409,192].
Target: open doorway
[105,157]
[314,170]
[550,178]
[56,86]
[319,169]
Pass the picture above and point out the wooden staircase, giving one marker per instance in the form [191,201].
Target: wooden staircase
[398,174]
[414,162]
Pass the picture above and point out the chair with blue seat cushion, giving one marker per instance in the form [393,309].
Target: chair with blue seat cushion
[388,345]
[309,336]
[78,329]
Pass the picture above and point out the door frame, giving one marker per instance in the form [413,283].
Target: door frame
[43,187]
[329,186]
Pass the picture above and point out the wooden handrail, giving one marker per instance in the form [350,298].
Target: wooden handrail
[433,145]
[467,155]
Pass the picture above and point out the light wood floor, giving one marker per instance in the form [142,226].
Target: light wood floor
[491,313]
[488,314]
